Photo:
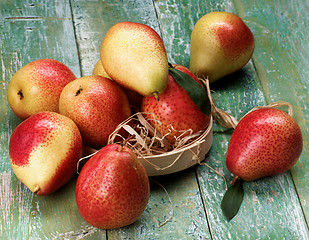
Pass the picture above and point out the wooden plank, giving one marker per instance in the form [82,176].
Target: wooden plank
[282,64]
[56,216]
[92,20]
[180,206]
[32,30]
[177,19]
[271,209]
[270,204]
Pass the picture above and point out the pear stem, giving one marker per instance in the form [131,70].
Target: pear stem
[126,140]
[36,189]
[156,95]
[234,180]
[120,148]
[123,143]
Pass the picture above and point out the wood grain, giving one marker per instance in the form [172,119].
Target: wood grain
[71,31]
[90,30]
[282,65]
[31,30]
[237,94]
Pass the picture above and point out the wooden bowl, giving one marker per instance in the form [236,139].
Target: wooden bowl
[172,161]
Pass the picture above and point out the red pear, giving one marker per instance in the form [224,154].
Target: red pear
[44,150]
[37,86]
[175,110]
[97,105]
[265,142]
[112,189]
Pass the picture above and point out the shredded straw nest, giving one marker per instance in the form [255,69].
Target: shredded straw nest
[158,156]
[146,140]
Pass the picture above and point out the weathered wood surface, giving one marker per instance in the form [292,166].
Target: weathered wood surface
[71,32]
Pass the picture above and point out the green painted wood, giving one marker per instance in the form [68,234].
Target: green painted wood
[270,204]
[71,32]
[92,21]
[282,65]
[32,30]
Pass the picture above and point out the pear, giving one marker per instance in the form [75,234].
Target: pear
[134,55]
[112,189]
[175,110]
[44,150]
[265,142]
[135,99]
[221,44]
[99,70]
[37,86]
[97,105]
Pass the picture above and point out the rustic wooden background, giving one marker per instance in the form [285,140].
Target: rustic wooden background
[71,31]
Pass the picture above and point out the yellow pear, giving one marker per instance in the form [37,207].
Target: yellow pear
[36,87]
[135,99]
[133,54]
[221,44]
[99,70]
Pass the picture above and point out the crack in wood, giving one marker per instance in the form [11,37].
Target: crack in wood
[36,18]
[197,175]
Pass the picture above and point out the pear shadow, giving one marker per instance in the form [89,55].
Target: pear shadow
[60,211]
[230,81]
[169,179]
[228,131]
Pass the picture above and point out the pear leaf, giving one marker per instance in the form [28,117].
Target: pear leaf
[232,199]
[195,91]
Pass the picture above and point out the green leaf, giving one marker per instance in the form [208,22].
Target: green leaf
[232,199]
[196,92]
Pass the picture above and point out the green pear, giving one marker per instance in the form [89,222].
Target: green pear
[265,142]
[134,55]
[221,44]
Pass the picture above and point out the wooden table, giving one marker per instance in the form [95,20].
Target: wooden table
[275,207]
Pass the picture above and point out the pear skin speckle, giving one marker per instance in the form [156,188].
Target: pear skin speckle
[265,142]
[175,108]
[112,189]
